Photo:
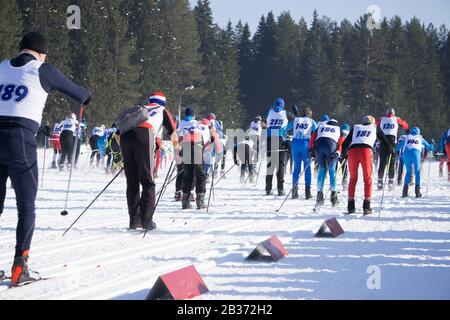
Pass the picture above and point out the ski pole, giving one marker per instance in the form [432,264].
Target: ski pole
[295,186]
[171,180]
[257,176]
[225,174]
[160,195]
[428,178]
[43,163]
[384,184]
[92,202]
[210,191]
[64,212]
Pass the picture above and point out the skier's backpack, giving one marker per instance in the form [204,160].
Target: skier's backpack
[131,118]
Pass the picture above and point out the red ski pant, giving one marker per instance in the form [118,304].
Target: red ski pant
[356,157]
[447,150]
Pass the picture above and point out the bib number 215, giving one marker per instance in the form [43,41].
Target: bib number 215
[11,91]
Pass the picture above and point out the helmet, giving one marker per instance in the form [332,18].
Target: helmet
[390,111]
[333,122]
[368,120]
[212,116]
[278,105]
[325,118]
[345,127]
[72,116]
[258,118]
[415,131]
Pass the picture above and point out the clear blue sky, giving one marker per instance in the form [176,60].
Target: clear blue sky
[435,11]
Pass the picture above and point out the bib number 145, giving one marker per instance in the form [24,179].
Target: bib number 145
[11,91]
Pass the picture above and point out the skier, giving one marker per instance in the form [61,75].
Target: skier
[57,129]
[191,139]
[327,143]
[97,132]
[389,124]
[245,152]
[399,151]
[255,132]
[445,149]
[138,151]
[113,151]
[80,134]
[303,128]
[67,139]
[25,83]
[277,126]
[412,156]
[221,157]
[358,147]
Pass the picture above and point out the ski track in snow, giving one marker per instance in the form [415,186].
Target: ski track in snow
[100,259]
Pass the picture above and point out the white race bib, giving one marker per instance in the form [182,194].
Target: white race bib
[255,129]
[389,126]
[364,134]
[327,131]
[277,120]
[413,143]
[302,128]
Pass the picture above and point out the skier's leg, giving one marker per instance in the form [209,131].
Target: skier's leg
[366,163]
[353,164]
[416,162]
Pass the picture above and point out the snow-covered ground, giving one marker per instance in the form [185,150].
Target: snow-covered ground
[100,259]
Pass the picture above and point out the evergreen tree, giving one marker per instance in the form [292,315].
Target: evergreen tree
[10,29]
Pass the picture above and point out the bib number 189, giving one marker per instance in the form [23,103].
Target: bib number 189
[11,91]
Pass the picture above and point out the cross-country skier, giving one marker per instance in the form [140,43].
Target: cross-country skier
[97,132]
[445,148]
[327,143]
[57,129]
[277,126]
[389,124]
[358,147]
[191,139]
[399,151]
[220,157]
[255,132]
[138,151]
[412,156]
[67,139]
[25,82]
[245,153]
[303,127]
[80,134]
[113,151]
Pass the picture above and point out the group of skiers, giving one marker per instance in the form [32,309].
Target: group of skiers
[336,149]
[199,147]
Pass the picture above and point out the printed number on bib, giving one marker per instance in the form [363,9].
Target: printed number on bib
[328,130]
[303,126]
[412,141]
[276,122]
[363,134]
[11,91]
[388,126]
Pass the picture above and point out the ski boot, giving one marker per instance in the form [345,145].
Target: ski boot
[135,222]
[20,274]
[269,192]
[418,193]
[380,185]
[177,196]
[320,201]
[366,207]
[148,223]
[185,203]
[405,191]
[54,165]
[191,198]
[201,201]
[295,193]
[351,206]
[334,198]
[399,181]
[281,193]
[391,185]
[308,193]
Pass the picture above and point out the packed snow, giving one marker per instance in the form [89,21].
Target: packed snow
[404,251]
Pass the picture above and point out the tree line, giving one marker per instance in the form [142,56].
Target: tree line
[125,50]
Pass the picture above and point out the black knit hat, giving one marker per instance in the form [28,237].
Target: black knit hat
[189,112]
[34,41]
